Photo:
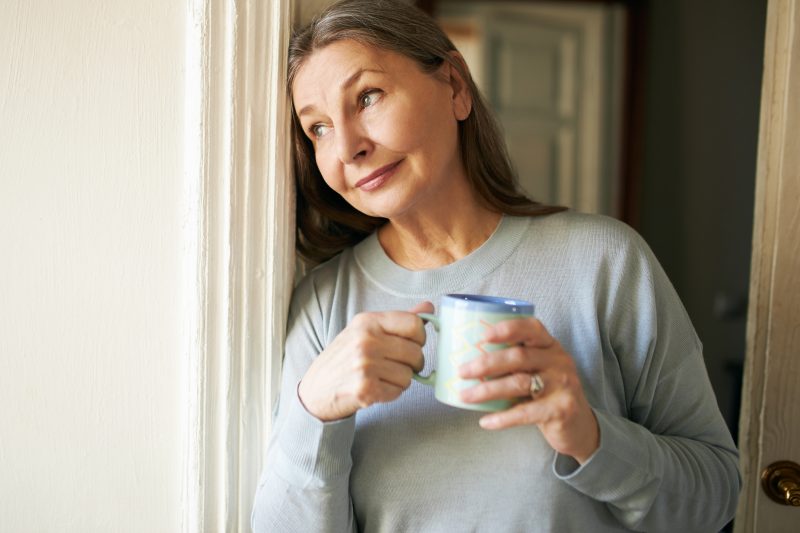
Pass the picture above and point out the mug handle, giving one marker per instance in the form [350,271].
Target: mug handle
[431,379]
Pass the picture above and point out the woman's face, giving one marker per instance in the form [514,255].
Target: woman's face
[385,134]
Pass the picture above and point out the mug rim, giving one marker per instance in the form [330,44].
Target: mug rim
[498,303]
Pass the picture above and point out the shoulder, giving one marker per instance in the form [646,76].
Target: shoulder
[311,308]
[594,252]
[320,280]
[584,225]
[572,232]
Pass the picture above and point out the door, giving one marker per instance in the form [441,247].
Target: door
[533,72]
[770,420]
[552,74]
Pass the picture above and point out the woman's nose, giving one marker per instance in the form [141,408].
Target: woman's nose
[351,142]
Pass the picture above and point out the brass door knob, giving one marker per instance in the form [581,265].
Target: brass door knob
[781,482]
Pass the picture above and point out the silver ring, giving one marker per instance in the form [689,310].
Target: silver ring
[537,385]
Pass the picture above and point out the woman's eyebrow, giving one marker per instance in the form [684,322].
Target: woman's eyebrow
[306,110]
[354,77]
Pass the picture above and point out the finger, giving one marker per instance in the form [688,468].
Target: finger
[394,373]
[526,413]
[369,350]
[508,361]
[403,351]
[391,392]
[422,307]
[505,388]
[397,323]
[377,391]
[377,380]
[528,331]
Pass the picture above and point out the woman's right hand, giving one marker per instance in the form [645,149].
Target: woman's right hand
[372,360]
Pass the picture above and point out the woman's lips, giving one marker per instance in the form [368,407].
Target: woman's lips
[378,177]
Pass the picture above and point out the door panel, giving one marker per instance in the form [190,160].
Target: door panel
[532,68]
[552,75]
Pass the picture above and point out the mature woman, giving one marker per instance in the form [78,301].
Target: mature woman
[405,194]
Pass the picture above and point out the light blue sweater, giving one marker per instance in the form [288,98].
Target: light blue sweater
[666,460]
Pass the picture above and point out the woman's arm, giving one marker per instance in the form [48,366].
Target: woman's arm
[305,486]
[667,462]
[671,467]
[676,473]
[305,483]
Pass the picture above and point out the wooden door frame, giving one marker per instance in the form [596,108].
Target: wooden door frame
[773,326]
[239,191]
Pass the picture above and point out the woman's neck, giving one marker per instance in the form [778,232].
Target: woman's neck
[435,239]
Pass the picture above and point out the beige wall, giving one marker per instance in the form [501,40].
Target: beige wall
[92,226]
[306,9]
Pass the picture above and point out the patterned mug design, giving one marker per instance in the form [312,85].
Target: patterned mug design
[461,323]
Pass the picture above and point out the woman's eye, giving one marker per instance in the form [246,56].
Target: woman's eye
[368,98]
[318,130]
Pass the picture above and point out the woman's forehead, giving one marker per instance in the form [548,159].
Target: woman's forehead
[336,64]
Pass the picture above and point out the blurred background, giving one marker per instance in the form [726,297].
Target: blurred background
[643,110]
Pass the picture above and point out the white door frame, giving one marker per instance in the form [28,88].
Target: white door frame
[240,259]
[770,409]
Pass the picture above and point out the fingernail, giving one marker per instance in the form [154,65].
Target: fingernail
[488,422]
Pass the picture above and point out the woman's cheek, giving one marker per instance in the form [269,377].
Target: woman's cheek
[391,129]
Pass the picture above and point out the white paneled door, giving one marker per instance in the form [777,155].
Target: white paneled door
[552,74]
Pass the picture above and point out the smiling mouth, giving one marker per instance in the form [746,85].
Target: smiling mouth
[378,177]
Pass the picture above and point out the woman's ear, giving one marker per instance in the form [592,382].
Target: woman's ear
[462,96]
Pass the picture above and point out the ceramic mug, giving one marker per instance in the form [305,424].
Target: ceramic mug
[461,323]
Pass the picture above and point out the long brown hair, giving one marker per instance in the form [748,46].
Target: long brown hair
[326,223]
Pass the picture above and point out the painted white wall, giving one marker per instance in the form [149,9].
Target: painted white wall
[92,328]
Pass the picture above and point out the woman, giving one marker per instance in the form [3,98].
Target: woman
[405,193]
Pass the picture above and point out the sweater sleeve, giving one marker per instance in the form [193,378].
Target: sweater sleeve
[670,463]
[305,483]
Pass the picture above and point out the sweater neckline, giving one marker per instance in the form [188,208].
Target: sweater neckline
[391,277]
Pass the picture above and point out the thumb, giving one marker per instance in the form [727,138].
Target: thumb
[422,307]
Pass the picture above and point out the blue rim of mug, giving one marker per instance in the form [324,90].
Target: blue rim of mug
[479,302]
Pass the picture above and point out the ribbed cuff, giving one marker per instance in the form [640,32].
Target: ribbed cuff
[314,453]
[619,469]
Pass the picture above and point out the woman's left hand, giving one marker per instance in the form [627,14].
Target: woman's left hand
[560,410]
